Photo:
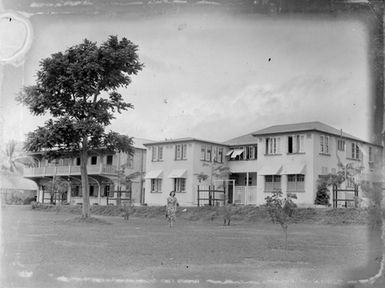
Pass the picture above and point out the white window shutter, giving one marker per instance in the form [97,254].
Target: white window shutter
[301,143]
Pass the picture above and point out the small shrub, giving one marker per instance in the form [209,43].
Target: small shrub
[29,200]
[14,200]
[281,210]
[322,197]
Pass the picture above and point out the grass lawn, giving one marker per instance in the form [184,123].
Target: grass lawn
[48,249]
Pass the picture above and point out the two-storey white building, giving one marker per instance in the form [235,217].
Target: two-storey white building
[174,165]
[290,158]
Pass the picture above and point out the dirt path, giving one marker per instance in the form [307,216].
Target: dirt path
[46,249]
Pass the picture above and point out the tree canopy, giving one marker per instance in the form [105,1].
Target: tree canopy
[78,88]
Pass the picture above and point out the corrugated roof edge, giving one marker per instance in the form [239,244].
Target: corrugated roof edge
[293,128]
[308,126]
[187,139]
[140,142]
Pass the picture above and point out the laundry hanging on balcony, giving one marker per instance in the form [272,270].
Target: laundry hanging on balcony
[234,153]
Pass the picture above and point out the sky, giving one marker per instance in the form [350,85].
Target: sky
[215,76]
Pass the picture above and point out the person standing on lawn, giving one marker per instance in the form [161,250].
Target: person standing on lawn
[172,203]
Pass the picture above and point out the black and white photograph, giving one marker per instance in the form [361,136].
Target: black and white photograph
[192,143]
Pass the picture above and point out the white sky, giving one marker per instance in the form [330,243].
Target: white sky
[208,76]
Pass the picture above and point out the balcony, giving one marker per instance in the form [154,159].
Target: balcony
[69,170]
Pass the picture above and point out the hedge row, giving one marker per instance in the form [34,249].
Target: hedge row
[238,213]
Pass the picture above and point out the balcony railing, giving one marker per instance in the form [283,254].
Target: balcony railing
[69,170]
[245,195]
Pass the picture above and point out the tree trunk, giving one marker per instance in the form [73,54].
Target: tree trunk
[84,177]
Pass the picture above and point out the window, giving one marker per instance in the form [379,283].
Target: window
[215,153]
[273,145]
[107,189]
[295,182]
[245,154]
[272,183]
[109,159]
[160,153]
[251,152]
[78,161]
[157,153]
[94,160]
[180,184]
[154,154]
[341,145]
[156,185]
[67,161]
[130,161]
[203,152]
[324,170]
[220,155]
[92,191]
[324,144]
[180,151]
[208,153]
[295,144]
[355,151]
[184,151]
[370,154]
[76,191]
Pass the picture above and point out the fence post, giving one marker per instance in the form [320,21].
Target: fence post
[210,197]
[198,195]
[335,196]
[224,195]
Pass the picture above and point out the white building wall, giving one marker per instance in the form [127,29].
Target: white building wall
[193,166]
[315,164]
[167,166]
[285,159]
[206,167]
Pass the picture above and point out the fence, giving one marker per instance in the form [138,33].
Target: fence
[117,196]
[211,196]
[348,197]
[245,195]
[54,197]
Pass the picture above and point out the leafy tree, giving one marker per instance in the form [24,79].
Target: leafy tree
[126,181]
[281,210]
[217,171]
[78,88]
[201,176]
